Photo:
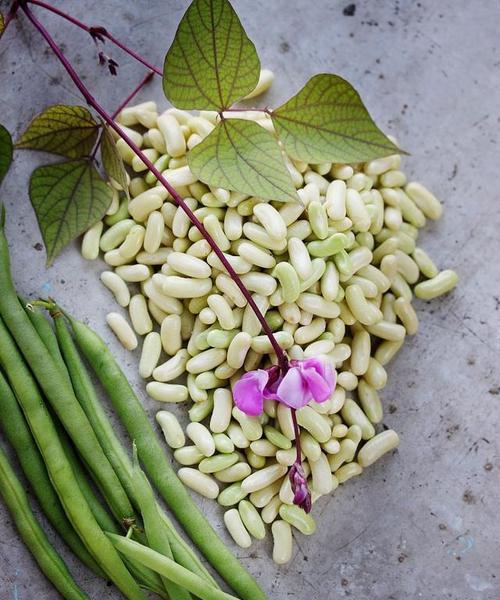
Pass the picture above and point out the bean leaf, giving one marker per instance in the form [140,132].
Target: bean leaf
[112,161]
[68,198]
[242,156]
[5,151]
[70,131]
[327,122]
[211,63]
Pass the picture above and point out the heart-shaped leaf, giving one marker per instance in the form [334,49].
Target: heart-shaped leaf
[243,156]
[112,161]
[211,63]
[327,122]
[70,131]
[5,151]
[68,198]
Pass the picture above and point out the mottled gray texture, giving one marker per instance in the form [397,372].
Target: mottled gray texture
[422,523]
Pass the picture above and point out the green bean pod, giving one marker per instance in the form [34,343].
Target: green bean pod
[19,436]
[57,389]
[169,569]
[154,527]
[157,465]
[117,456]
[33,535]
[89,401]
[58,467]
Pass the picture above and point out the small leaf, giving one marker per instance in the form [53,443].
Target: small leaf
[70,131]
[68,198]
[211,63]
[5,151]
[112,161]
[242,156]
[327,122]
[2,24]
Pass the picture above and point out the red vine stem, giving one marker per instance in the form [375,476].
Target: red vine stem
[120,108]
[296,430]
[100,30]
[282,359]
[132,94]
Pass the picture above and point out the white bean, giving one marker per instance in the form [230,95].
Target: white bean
[167,392]
[90,241]
[139,315]
[117,286]
[202,438]
[173,368]
[122,330]
[236,528]
[201,483]
[151,350]
[221,414]
[172,430]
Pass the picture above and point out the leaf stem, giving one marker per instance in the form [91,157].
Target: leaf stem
[236,109]
[282,359]
[99,30]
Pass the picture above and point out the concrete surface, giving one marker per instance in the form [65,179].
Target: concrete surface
[422,523]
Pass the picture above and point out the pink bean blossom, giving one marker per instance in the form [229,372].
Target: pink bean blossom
[304,381]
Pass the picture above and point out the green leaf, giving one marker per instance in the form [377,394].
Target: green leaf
[2,24]
[68,198]
[327,122]
[112,161]
[211,63]
[5,151]
[70,131]
[242,156]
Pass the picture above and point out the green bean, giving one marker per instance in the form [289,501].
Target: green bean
[154,527]
[101,515]
[168,568]
[157,465]
[57,389]
[45,331]
[33,535]
[109,441]
[89,401]
[145,577]
[19,436]
[58,467]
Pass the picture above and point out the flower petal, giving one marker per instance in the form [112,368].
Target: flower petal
[248,392]
[292,390]
[317,386]
[322,366]
[272,384]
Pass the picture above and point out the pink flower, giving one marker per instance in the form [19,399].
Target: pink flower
[305,380]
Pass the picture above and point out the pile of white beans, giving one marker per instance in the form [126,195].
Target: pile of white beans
[334,275]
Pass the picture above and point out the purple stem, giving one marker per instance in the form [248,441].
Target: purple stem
[282,359]
[120,108]
[296,430]
[132,94]
[101,30]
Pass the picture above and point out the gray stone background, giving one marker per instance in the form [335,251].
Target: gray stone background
[422,523]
